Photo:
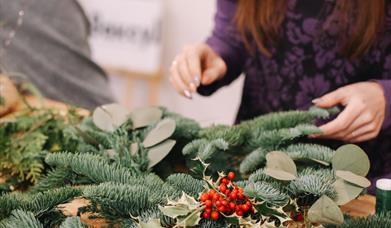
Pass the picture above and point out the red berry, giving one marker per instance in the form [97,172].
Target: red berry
[216,197]
[221,209]
[239,212]
[208,210]
[240,196]
[223,188]
[245,207]
[224,203]
[231,175]
[232,205]
[299,217]
[204,197]
[215,215]
[227,192]
[206,215]
[233,196]
[224,181]
[212,192]
[208,203]
[218,203]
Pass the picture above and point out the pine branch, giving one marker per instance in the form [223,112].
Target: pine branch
[186,128]
[119,201]
[309,151]
[20,218]
[233,135]
[187,184]
[72,222]
[266,192]
[313,182]
[252,161]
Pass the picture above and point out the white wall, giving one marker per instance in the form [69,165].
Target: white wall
[186,22]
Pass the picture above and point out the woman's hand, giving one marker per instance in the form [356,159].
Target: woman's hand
[363,116]
[195,65]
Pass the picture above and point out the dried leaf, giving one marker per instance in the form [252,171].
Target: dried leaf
[279,174]
[110,117]
[325,211]
[161,132]
[144,117]
[280,166]
[346,192]
[159,152]
[351,158]
[353,178]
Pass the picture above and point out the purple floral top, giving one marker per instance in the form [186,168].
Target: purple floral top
[305,65]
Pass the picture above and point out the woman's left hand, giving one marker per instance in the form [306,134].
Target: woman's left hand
[363,116]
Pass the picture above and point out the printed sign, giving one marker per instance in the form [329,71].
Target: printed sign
[126,34]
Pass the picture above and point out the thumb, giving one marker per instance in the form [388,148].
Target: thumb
[215,71]
[331,99]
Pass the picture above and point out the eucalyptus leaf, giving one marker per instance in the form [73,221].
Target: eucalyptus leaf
[320,162]
[280,174]
[353,178]
[134,149]
[277,160]
[144,117]
[346,192]
[159,152]
[351,158]
[325,211]
[163,130]
[110,117]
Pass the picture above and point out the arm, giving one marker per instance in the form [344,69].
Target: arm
[226,42]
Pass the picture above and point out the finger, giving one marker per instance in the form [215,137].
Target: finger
[363,138]
[368,129]
[331,99]
[214,72]
[362,120]
[194,64]
[178,84]
[341,123]
[184,73]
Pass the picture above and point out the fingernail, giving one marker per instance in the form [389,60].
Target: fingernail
[187,94]
[317,100]
[193,87]
[197,81]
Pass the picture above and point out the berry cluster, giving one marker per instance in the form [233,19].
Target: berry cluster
[228,199]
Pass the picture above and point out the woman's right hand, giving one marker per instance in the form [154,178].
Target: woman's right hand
[195,65]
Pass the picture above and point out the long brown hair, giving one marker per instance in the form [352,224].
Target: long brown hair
[362,20]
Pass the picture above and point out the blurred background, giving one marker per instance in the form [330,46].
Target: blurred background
[136,41]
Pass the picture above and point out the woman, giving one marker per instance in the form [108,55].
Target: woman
[47,41]
[293,51]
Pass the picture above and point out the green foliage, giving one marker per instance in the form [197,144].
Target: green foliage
[72,222]
[26,140]
[187,184]
[309,151]
[266,192]
[20,218]
[252,161]
[313,182]
[186,129]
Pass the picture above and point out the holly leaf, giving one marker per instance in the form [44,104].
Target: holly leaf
[190,220]
[110,117]
[353,178]
[163,130]
[175,211]
[159,152]
[325,211]
[153,223]
[346,192]
[351,158]
[144,117]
